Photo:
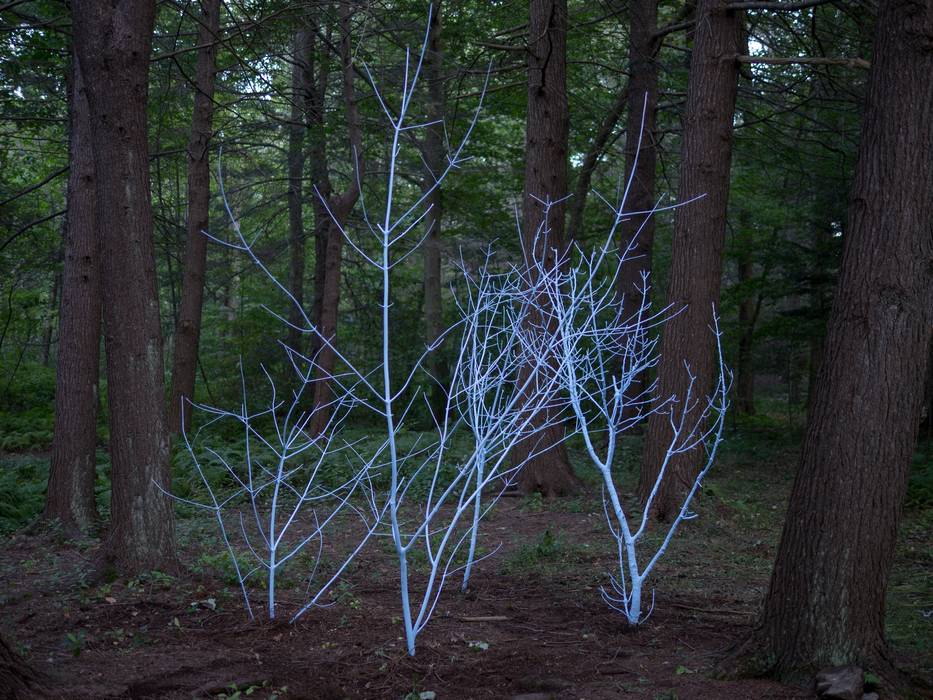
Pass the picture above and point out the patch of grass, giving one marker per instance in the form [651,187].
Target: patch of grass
[550,552]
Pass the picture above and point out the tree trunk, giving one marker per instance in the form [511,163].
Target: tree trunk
[822,234]
[699,237]
[340,207]
[113,43]
[17,679]
[320,176]
[188,331]
[604,136]
[547,468]
[49,321]
[301,89]
[434,154]
[825,605]
[636,232]
[748,316]
[70,497]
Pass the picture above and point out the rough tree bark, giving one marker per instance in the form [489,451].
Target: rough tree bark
[70,496]
[434,153]
[18,680]
[699,237]
[340,207]
[113,43]
[825,605]
[188,331]
[548,469]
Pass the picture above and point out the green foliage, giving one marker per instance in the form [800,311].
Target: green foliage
[22,491]
[920,485]
[27,410]
[549,551]
[75,642]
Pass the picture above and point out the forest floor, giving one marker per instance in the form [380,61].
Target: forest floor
[532,625]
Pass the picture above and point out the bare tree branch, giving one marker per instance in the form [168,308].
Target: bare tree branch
[806,61]
[776,5]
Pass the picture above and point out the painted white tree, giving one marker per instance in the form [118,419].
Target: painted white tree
[602,354]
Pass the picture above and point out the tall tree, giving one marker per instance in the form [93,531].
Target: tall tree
[113,41]
[70,496]
[339,207]
[748,314]
[188,331]
[434,154]
[636,232]
[547,124]
[825,604]
[300,95]
[699,237]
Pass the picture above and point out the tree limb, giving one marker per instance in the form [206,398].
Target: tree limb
[776,5]
[806,61]
[33,188]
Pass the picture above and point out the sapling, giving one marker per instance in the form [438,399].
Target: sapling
[279,500]
[484,378]
[603,353]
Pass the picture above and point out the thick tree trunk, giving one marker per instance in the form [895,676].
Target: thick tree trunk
[70,497]
[825,605]
[636,232]
[300,92]
[188,330]
[434,153]
[340,207]
[113,42]
[699,236]
[547,468]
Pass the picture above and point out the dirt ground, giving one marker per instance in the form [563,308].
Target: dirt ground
[533,624]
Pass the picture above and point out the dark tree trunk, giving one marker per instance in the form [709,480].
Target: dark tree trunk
[818,301]
[825,605]
[188,330]
[636,232]
[113,42]
[605,135]
[547,469]
[49,322]
[748,316]
[699,236]
[17,679]
[319,167]
[340,206]
[434,153]
[70,497]
[302,87]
